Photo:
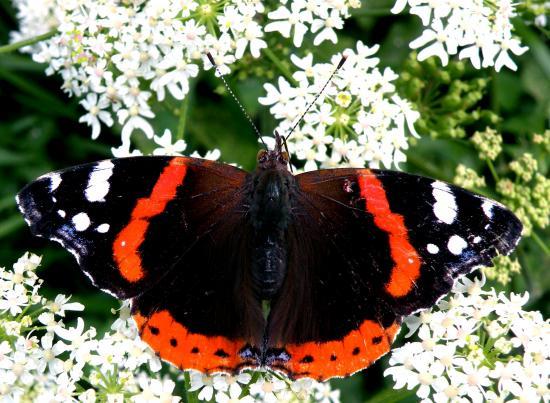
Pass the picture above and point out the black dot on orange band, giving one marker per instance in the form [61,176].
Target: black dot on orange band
[307,359]
[356,351]
[195,350]
[333,357]
[377,340]
[173,342]
[221,353]
[154,330]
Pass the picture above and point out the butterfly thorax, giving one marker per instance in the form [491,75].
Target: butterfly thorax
[270,213]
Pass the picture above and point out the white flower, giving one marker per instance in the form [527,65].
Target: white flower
[278,96]
[155,390]
[442,42]
[267,389]
[132,119]
[324,393]
[124,151]
[219,50]
[290,20]
[49,355]
[326,25]
[446,390]
[176,79]
[474,379]
[252,34]
[212,155]
[80,343]
[95,106]
[504,59]
[231,382]
[306,64]
[202,382]
[166,146]
[61,304]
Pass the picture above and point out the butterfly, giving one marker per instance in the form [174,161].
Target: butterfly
[308,274]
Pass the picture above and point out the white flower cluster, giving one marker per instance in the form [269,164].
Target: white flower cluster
[358,119]
[321,18]
[479,30]
[477,346]
[120,55]
[166,145]
[267,387]
[44,360]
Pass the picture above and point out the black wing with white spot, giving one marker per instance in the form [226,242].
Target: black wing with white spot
[453,230]
[128,221]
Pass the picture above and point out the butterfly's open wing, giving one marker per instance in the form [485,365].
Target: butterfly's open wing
[154,229]
[373,246]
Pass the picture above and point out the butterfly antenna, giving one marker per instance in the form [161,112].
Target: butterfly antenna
[285,145]
[211,59]
[340,64]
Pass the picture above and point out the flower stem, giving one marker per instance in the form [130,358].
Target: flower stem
[26,42]
[189,397]
[540,242]
[183,118]
[492,169]
[269,53]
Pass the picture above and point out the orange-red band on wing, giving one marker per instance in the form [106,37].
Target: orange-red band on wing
[406,259]
[358,350]
[130,238]
[174,343]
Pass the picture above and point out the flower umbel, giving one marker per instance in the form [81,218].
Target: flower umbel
[484,347]
[480,31]
[121,56]
[357,120]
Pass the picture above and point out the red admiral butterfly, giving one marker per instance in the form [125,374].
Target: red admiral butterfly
[198,246]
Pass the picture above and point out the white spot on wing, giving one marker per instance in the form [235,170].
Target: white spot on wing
[477,239]
[445,205]
[103,228]
[487,207]
[55,180]
[61,213]
[81,221]
[456,244]
[98,184]
[433,249]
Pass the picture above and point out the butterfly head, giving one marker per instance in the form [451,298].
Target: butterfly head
[269,159]
[277,158]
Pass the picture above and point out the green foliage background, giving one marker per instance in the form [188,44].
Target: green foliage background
[39,132]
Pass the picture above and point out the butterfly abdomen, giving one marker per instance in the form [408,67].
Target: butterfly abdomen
[269,215]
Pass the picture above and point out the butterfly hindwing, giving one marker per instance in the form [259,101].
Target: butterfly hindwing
[374,246]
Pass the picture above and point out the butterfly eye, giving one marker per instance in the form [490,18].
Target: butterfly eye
[262,156]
